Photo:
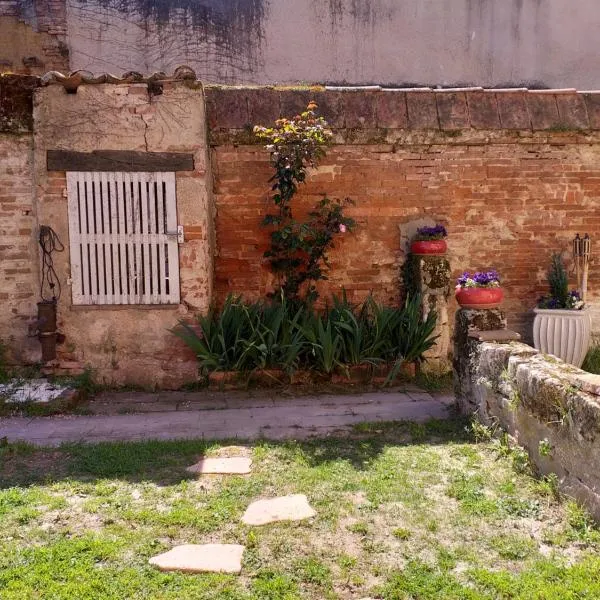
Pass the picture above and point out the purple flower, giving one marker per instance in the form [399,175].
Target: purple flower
[572,302]
[479,279]
[437,232]
[462,280]
[484,279]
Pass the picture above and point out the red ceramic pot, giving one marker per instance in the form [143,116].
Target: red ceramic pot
[479,297]
[429,247]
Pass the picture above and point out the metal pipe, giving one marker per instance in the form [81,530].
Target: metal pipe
[47,329]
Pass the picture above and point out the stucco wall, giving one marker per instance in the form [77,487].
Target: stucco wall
[482,42]
[129,344]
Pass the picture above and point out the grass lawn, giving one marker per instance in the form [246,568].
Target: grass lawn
[404,512]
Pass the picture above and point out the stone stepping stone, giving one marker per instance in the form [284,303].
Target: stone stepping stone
[206,558]
[235,465]
[284,508]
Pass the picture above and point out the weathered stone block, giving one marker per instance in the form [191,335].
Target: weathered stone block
[483,110]
[535,398]
[572,111]
[226,108]
[293,102]
[391,110]
[361,109]
[452,110]
[592,103]
[330,105]
[513,110]
[543,111]
[422,110]
[263,106]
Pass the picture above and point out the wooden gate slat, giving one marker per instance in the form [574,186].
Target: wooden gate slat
[121,240]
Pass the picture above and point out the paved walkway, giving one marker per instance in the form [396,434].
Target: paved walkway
[224,417]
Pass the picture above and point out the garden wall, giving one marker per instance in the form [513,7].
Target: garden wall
[512,174]
[552,409]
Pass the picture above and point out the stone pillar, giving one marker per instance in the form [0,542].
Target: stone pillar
[469,329]
[430,277]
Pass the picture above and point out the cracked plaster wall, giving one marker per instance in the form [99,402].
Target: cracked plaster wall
[129,344]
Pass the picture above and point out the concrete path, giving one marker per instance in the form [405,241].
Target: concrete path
[271,418]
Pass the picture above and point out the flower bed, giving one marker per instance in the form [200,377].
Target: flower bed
[274,341]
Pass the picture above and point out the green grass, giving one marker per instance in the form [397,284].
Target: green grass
[403,512]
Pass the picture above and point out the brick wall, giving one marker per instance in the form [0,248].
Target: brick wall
[33,36]
[18,258]
[513,175]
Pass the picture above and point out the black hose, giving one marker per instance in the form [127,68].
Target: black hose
[49,243]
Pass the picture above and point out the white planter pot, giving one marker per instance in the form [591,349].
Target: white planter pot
[563,333]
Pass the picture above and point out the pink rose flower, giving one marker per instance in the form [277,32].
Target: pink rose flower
[342,228]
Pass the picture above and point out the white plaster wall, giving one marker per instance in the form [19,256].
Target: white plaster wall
[447,42]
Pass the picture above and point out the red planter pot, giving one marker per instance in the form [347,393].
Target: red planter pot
[479,297]
[429,247]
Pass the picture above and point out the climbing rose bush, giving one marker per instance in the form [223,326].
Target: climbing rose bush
[298,249]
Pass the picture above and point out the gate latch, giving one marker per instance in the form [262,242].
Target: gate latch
[178,233]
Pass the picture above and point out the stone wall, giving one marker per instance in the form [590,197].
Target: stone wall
[513,175]
[550,408]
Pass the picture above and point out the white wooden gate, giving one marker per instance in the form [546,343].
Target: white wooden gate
[123,238]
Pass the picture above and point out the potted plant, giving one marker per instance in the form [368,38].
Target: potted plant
[430,240]
[562,326]
[479,290]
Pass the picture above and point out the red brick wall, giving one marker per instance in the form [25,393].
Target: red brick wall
[18,250]
[18,293]
[512,175]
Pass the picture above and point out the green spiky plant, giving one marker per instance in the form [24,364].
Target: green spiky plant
[558,279]
[244,336]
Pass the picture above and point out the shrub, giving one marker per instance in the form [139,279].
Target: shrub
[285,335]
[298,252]
[591,364]
[560,297]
